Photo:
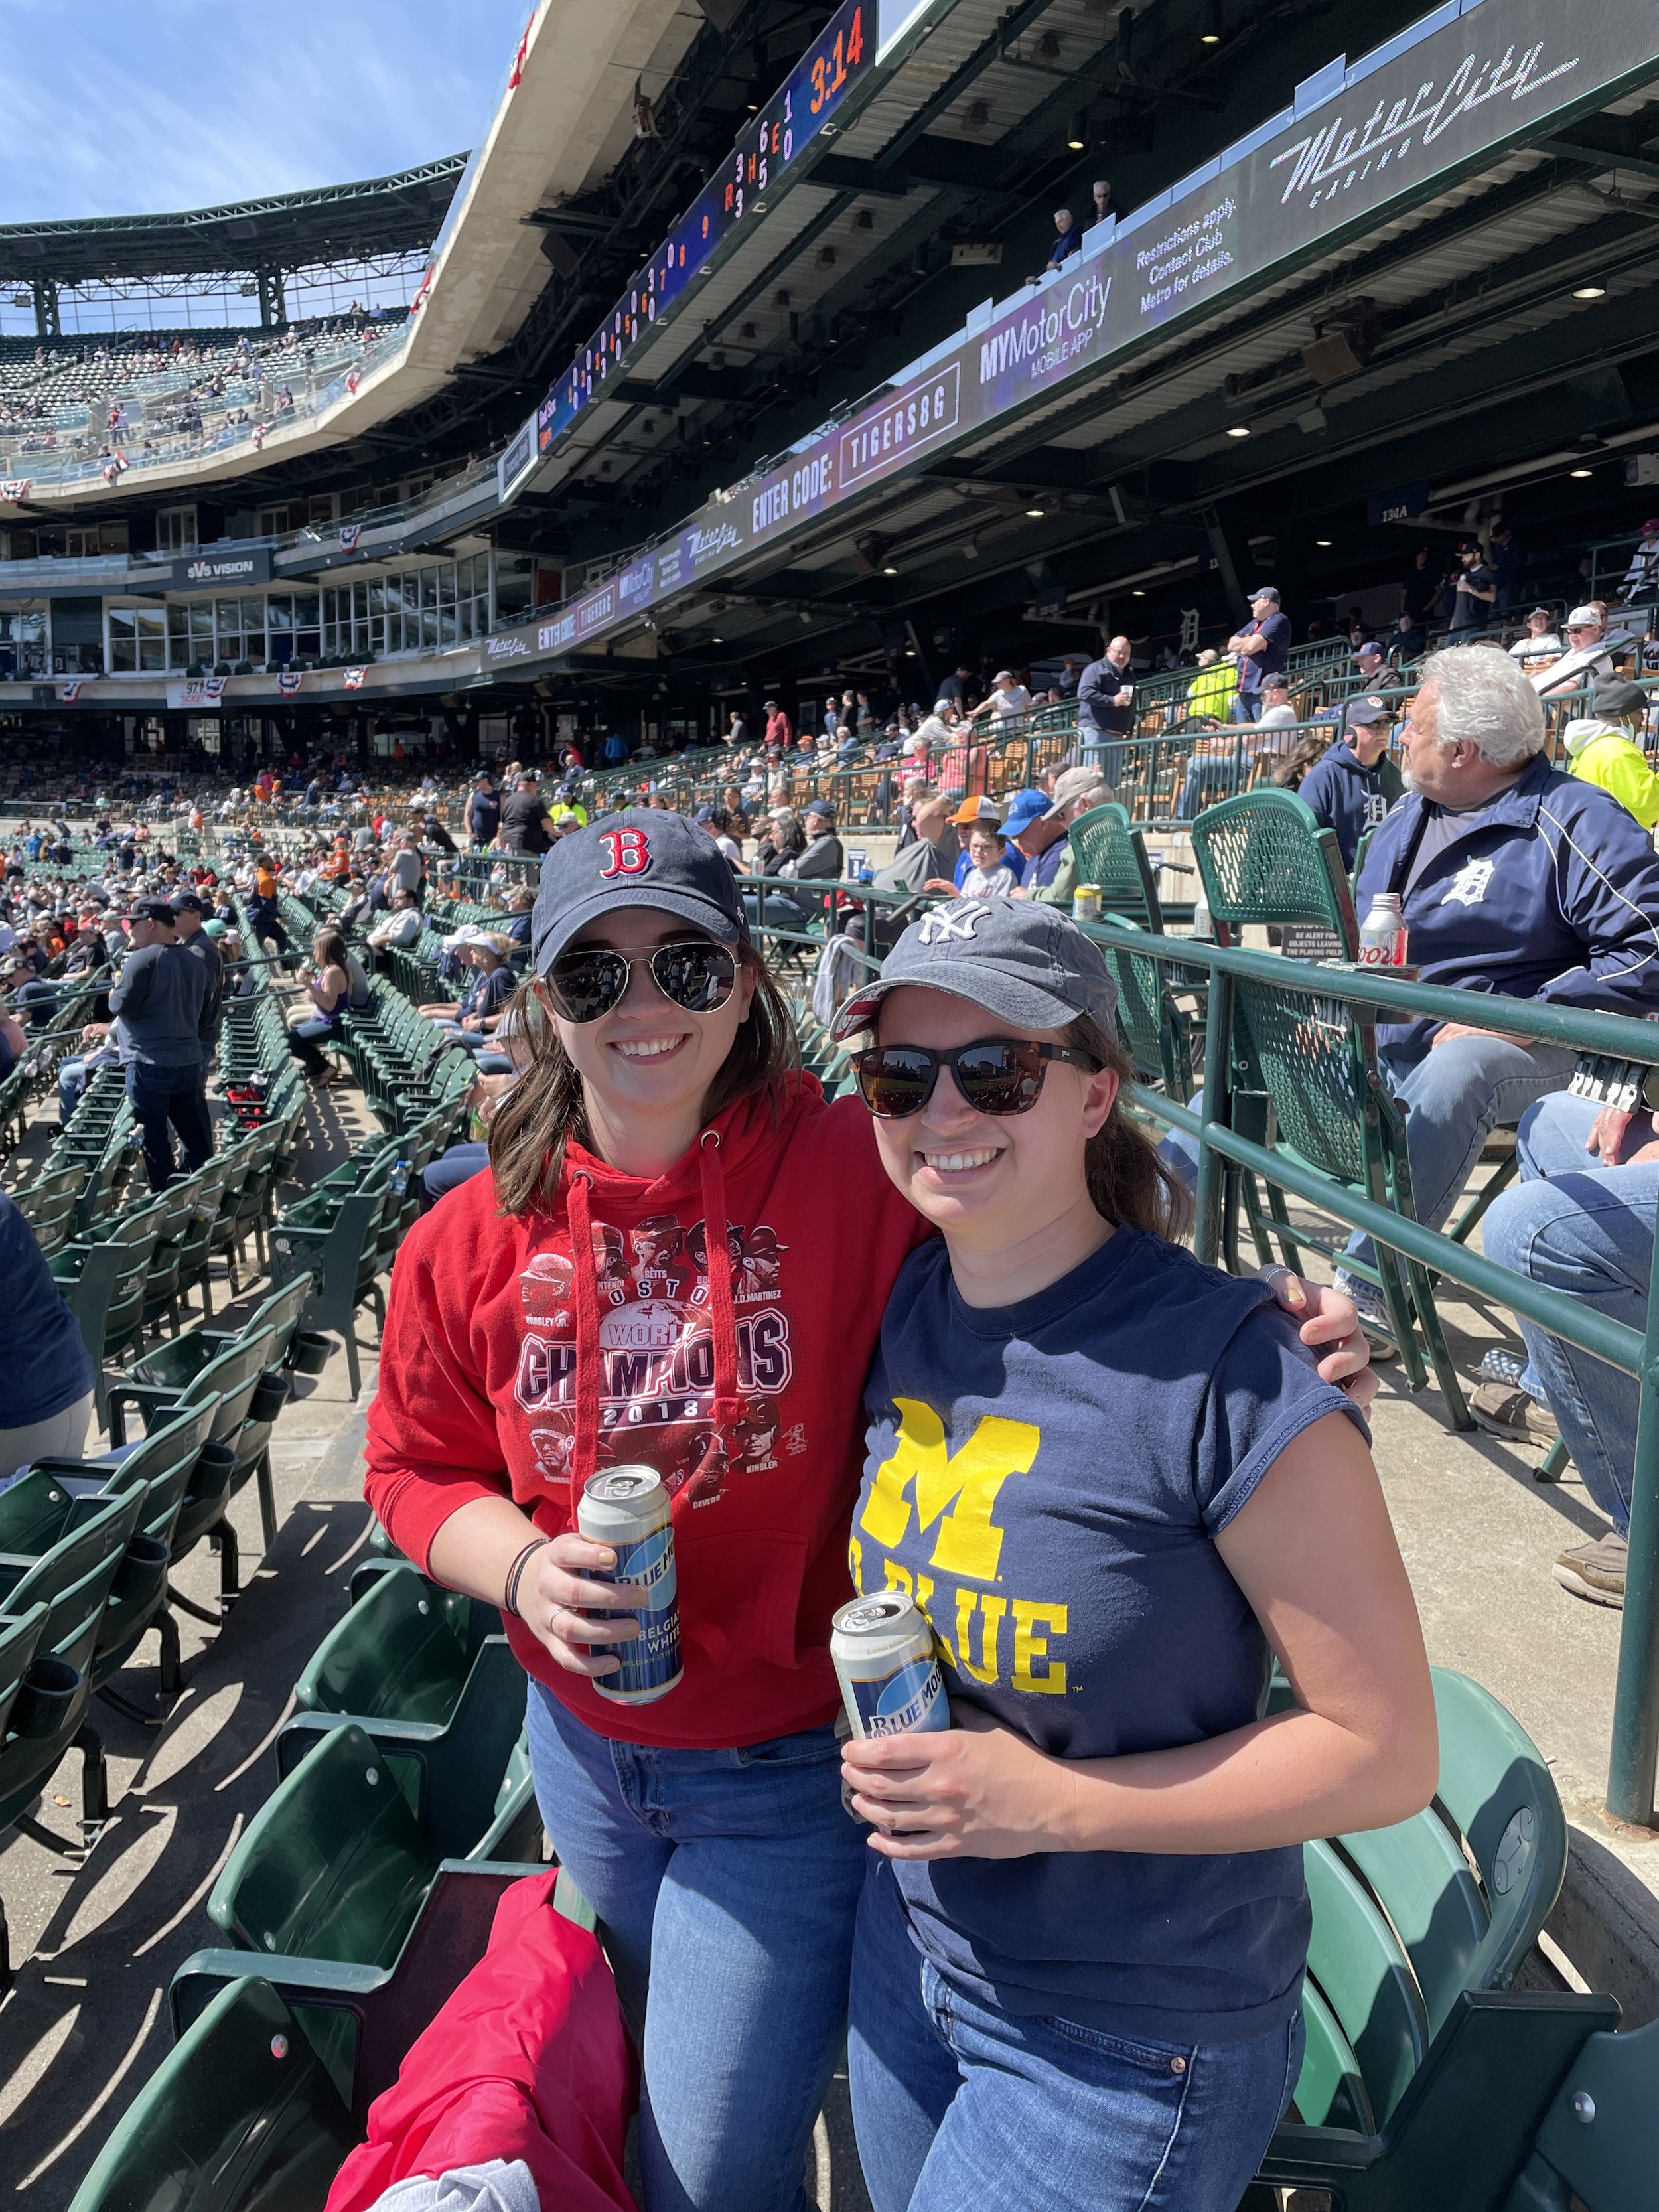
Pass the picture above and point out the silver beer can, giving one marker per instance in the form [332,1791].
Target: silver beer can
[629,1508]
[890,1678]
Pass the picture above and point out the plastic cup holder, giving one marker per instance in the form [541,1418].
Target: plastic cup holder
[269,1398]
[310,1351]
[46,1697]
[143,1567]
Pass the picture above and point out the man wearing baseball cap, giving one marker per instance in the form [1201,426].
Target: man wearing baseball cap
[157,1001]
[1263,647]
[1475,590]
[1354,783]
[1606,748]
[1036,840]
[1077,792]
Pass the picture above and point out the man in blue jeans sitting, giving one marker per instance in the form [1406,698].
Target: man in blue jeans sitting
[1580,1220]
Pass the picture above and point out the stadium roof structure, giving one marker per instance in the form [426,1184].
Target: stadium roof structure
[375,216]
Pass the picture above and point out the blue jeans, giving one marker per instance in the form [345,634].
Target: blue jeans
[458,1164]
[1246,707]
[1575,1226]
[958,2103]
[1098,749]
[165,1099]
[729,1880]
[1455,1098]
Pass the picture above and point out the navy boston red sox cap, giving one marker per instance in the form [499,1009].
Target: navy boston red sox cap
[644,856]
[1022,963]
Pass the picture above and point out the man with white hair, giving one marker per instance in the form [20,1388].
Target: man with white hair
[1516,880]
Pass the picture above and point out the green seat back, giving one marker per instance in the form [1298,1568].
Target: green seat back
[394,1657]
[1312,1059]
[20,1633]
[1330,2090]
[280,1313]
[1366,1980]
[73,1576]
[1264,858]
[332,1866]
[240,2116]
[1111,852]
[1601,2136]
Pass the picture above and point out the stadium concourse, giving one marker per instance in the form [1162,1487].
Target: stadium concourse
[1137,531]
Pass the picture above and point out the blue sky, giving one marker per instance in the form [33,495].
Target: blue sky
[153,105]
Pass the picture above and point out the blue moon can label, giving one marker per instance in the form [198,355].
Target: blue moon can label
[627,1508]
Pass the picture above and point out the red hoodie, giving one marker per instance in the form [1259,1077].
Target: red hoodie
[509,1364]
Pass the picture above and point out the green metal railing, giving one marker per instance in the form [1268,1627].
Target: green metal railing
[1223,1154]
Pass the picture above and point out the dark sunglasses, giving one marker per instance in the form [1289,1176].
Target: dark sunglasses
[698,976]
[1002,1075]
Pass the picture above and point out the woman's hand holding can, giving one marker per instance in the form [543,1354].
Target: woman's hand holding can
[568,1614]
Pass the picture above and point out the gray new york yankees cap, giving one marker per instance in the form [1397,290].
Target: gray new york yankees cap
[1023,962]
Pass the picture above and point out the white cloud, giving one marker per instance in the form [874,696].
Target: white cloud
[117,109]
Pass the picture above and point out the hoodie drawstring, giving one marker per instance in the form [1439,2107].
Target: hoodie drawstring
[729,1405]
[584,1448]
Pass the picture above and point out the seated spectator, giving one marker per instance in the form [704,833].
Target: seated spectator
[972,814]
[13,1040]
[1581,1220]
[401,924]
[335,982]
[1353,784]
[1277,711]
[1606,748]
[1516,880]
[987,875]
[1038,837]
[1101,193]
[1370,665]
[1642,577]
[1406,641]
[929,850]
[1541,645]
[1586,628]
[1076,792]
[49,1380]
[1210,694]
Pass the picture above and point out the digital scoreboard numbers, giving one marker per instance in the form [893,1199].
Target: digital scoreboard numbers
[763,150]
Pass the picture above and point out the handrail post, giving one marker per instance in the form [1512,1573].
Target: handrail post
[1636,1695]
[1211,1168]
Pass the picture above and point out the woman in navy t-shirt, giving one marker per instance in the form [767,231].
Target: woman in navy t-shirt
[1113,1483]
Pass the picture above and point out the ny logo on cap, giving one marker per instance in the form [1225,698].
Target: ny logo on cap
[946,922]
[627,853]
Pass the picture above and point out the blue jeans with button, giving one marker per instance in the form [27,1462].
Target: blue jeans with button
[728,1880]
[959,2103]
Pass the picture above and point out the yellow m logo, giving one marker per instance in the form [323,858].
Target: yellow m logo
[966,1482]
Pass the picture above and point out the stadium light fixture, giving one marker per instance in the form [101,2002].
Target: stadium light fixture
[1590,292]
[1036,513]
[1137,594]
[1581,472]
[1238,431]
[1209,24]
[1078,136]
[1321,541]
[890,571]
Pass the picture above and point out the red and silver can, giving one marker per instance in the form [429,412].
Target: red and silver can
[1382,934]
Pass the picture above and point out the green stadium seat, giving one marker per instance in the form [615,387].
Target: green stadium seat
[1599,2144]
[19,1635]
[402,1652]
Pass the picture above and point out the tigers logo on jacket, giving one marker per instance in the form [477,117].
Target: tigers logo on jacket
[656,1354]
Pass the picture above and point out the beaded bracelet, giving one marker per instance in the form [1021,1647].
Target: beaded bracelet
[514,1574]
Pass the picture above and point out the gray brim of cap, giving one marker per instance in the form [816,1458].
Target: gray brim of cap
[684,906]
[1007,998]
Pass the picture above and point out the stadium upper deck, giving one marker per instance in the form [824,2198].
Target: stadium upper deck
[1429,274]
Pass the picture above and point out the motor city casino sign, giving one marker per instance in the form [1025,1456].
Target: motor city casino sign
[1436,100]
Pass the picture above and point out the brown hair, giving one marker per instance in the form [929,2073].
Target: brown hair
[545,1108]
[1127,1181]
[330,946]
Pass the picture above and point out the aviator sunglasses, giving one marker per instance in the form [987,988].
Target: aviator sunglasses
[1000,1075]
[698,976]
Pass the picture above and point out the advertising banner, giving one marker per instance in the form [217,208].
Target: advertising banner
[219,572]
[1404,120]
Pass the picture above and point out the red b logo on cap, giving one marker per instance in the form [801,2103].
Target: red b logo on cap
[627,853]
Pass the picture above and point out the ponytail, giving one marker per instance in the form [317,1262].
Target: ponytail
[1128,1183]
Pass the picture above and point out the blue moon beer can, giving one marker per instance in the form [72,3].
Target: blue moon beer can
[628,1509]
[884,1654]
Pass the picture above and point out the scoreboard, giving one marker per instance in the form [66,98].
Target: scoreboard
[763,150]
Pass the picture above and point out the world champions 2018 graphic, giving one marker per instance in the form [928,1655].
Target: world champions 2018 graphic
[655,1367]
[1359,142]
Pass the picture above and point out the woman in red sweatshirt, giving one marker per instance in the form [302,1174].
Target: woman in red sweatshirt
[681,1257]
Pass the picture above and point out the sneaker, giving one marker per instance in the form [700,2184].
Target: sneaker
[1503,1411]
[1595,1572]
[1373,1314]
[1502,1365]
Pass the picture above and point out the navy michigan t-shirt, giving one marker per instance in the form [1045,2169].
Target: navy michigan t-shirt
[1046,1480]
